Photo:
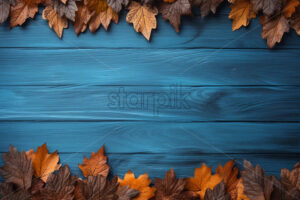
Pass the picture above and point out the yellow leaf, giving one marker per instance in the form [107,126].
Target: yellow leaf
[241,13]
[43,163]
[141,184]
[202,180]
[96,165]
[142,17]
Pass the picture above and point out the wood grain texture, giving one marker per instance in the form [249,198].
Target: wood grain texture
[148,67]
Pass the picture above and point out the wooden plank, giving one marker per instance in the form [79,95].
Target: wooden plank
[157,164]
[155,137]
[148,67]
[149,103]
[211,32]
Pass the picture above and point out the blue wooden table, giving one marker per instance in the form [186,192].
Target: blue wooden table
[206,94]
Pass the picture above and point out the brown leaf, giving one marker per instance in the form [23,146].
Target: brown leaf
[268,7]
[104,18]
[5,8]
[17,168]
[97,6]
[218,193]
[169,1]
[295,21]
[36,185]
[170,187]
[291,182]
[22,10]
[290,8]
[7,192]
[125,193]
[173,11]
[141,184]
[96,165]
[83,16]
[55,21]
[67,10]
[207,6]
[241,13]
[202,180]
[43,163]
[116,5]
[59,186]
[142,17]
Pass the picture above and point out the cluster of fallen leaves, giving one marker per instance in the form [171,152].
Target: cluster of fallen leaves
[36,175]
[276,16]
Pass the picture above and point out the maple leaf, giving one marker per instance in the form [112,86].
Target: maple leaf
[141,184]
[218,193]
[97,164]
[170,187]
[142,17]
[97,6]
[43,163]
[22,10]
[60,185]
[126,193]
[104,17]
[82,18]
[207,6]
[7,192]
[267,6]
[241,13]
[117,4]
[291,182]
[17,168]
[5,8]
[67,10]
[202,180]
[97,187]
[173,11]
[295,21]
[55,21]
[290,8]
[36,185]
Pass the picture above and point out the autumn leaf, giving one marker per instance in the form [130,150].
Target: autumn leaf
[5,8]
[7,192]
[60,185]
[142,17]
[169,1]
[104,17]
[207,6]
[82,18]
[170,187]
[116,5]
[55,21]
[295,21]
[218,193]
[291,182]
[17,168]
[173,11]
[268,7]
[67,10]
[22,10]
[97,6]
[202,180]
[241,14]
[141,184]
[126,193]
[43,163]
[96,165]
[290,8]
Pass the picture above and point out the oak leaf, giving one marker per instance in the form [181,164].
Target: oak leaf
[268,7]
[17,169]
[170,187]
[241,14]
[116,5]
[173,11]
[82,18]
[104,17]
[67,10]
[97,164]
[218,193]
[142,17]
[22,10]
[295,21]
[140,184]
[55,21]
[5,8]
[202,180]
[43,163]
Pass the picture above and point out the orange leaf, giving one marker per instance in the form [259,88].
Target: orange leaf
[202,180]
[290,8]
[43,163]
[104,18]
[22,10]
[141,184]
[97,164]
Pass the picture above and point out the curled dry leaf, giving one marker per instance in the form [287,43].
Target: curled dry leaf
[142,17]
[22,10]
[116,5]
[241,13]
[268,7]
[17,169]
[140,184]
[67,10]
[173,11]
[170,187]
[96,165]
[43,163]
[5,8]
[295,21]
[218,193]
[55,21]
[202,180]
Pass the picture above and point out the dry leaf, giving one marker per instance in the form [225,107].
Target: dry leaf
[141,184]
[202,180]
[104,17]
[126,193]
[290,8]
[207,6]
[170,187]
[17,168]
[5,8]
[218,193]
[267,6]
[240,195]
[7,192]
[295,21]
[173,11]
[291,182]
[142,17]
[241,14]
[22,10]
[67,10]
[83,16]
[97,6]
[169,1]
[43,163]
[96,165]
[55,21]
[117,4]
